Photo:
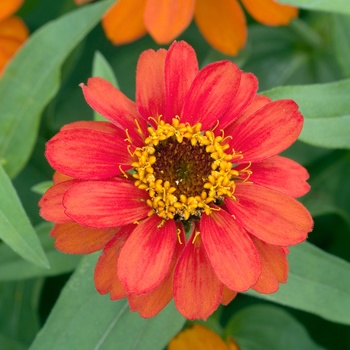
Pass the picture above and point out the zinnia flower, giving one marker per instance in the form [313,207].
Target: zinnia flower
[13,31]
[199,337]
[183,190]
[221,22]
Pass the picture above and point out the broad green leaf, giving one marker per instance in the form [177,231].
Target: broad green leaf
[13,268]
[19,310]
[42,187]
[326,110]
[318,283]
[341,41]
[83,319]
[341,6]
[101,68]
[15,228]
[32,79]
[262,327]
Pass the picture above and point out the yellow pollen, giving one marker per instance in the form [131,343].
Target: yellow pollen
[184,170]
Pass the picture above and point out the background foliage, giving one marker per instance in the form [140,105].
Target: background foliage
[47,299]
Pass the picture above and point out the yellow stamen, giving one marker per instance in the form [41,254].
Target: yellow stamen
[178,235]
[123,172]
[195,236]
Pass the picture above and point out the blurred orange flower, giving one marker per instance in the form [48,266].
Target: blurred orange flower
[221,22]
[13,31]
[199,337]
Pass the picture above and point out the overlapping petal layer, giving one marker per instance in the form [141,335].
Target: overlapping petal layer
[115,189]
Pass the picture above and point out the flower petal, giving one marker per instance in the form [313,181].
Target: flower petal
[51,203]
[230,250]
[124,23]
[145,258]
[197,337]
[151,303]
[105,99]
[181,67]
[108,203]
[270,215]
[274,267]
[246,92]
[197,290]
[211,93]
[269,131]
[150,85]
[227,296]
[167,19]
[270,12]
[229,33]
[73,238]
[7,8]
[88,154]
[105,276]
[281,174]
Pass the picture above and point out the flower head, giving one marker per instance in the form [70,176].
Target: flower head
[13,31]
[182,189]
[221,22]
[199,337]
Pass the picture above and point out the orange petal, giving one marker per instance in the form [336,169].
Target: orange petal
[274,267]
[105,276]
[197,337]
[14,28]
[73,238]
[60,177]
[167,19]
[222,23]
[227,295]
[270,12]
[123,23]
[8,7]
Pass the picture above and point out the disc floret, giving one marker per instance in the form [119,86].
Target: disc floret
[183,169]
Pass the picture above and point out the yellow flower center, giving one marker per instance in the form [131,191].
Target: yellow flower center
[184,170]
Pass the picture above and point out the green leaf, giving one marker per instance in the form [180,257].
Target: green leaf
[15,228]
[11,344]
[101,68]
[261,327]
[32,79]
[341,6]
[318,283]
[326,110]
[83,319]
[340,30]
[19,310]
[13,268]
[42,187]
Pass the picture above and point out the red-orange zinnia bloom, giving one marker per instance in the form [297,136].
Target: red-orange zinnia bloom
[197,152]
[221,22]
[13,31]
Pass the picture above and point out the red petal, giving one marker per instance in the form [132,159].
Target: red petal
[181,67]
[269,131]
[227,296]
[151,303]
[230,250]
[246,92]
[145,258]
[270,215]
[73,238]
[88,154]
[105,99]
[110,203]
[51,203]
[281,174]
[211,93]
[274,267]
[59,177]
[105,276]
[197,290]
[150,85]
